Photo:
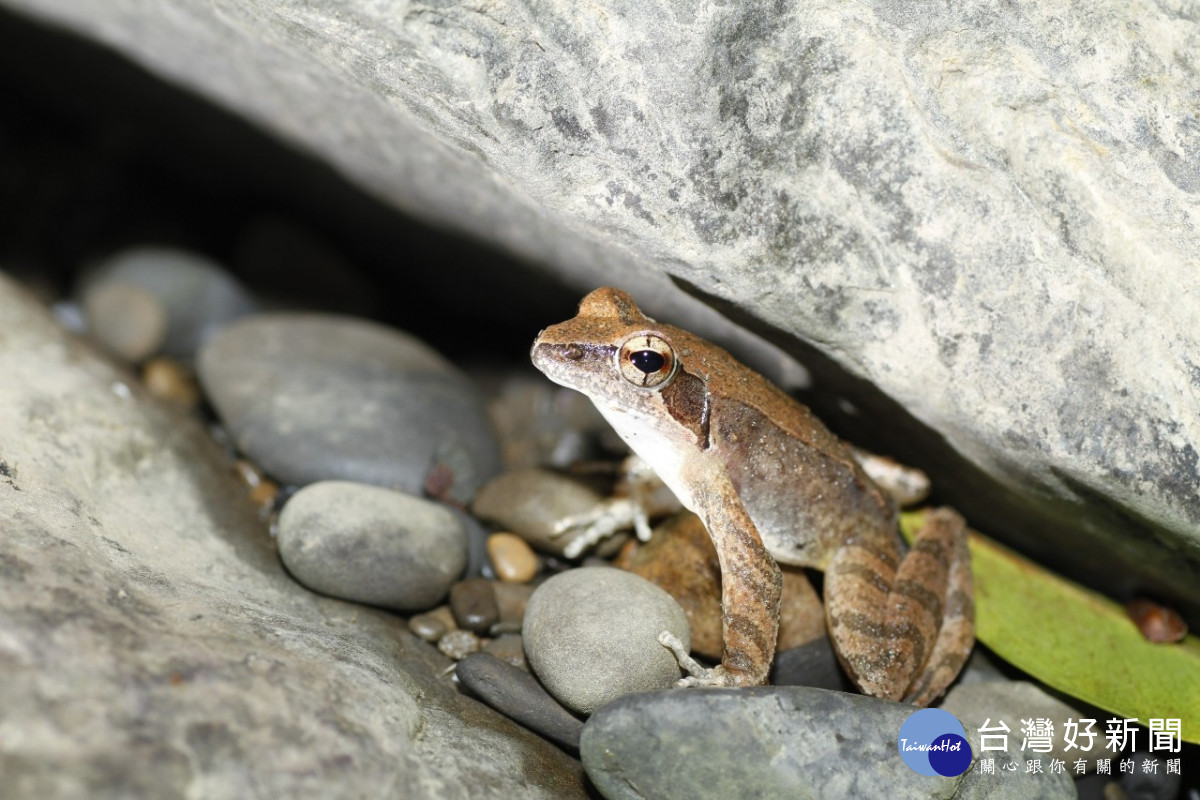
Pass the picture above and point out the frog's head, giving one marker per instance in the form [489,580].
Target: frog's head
[629,365]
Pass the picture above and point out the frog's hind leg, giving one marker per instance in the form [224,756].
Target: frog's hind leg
[885,618]
[957,634]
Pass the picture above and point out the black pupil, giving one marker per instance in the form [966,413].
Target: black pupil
[648,361]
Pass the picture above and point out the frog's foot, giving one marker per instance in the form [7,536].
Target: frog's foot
[640,495]
[903,631]
[906,485]
[600,522]
[698,674]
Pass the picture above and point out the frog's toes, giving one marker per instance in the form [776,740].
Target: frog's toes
[698,674]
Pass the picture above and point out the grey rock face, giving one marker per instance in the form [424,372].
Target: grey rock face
[982,217]
[317,397]
[591,635]
[152,644]
[371,545]
[764,742]
[773,742]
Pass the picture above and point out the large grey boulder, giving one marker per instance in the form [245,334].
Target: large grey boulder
[979,219]
[151,643]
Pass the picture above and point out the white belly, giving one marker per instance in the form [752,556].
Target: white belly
[658,449]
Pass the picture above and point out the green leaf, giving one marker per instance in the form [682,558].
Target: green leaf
[1076,640]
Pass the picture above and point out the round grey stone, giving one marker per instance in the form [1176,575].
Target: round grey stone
[591,635]
[125,319]
[197,295]
[371,545]
[318,397]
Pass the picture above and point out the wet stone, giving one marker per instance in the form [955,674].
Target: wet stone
[776,741]
[810,664]
[528,502]
[197,296]
[509,648]
[539,423]
[316,397]
[433,625]
[171,382]
[591,635]
[680,559]
[517,694]
[511,601]
[474,604]
[127,320]
[477,558]
[801,612]
[1149,781]
[975,703]
[459,644]
[512,558]
[371,545]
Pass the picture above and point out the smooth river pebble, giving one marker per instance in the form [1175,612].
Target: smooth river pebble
[517,694]
[473,602]
[591,634]
[528,502]
[371,545]
[196,295]
[512,558]
[316,397]
[127,320]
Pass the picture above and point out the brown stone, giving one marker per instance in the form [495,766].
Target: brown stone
[171,382]
[681,559]
[512,558]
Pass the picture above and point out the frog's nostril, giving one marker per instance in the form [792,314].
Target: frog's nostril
[572,351]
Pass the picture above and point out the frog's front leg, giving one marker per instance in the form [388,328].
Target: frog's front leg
[903,628]
[750,588]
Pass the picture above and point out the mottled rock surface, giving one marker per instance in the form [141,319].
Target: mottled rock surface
[152,644]
[984,217]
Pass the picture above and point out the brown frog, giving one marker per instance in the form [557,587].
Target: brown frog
[771,483]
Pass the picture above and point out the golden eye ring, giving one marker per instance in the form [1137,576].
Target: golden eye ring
[647,361]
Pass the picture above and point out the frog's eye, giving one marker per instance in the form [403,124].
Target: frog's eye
[647,361]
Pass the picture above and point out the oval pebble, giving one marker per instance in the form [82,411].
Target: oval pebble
[528,502]
[196,294]
[316,397]
[459,644]
[433,625]
[511,600]
[473,602]
[591,635]
[371,545]
[509,648]
[127,320]
[171,382]
[517,694]
[512,558]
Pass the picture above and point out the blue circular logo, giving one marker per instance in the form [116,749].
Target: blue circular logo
[933,742]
